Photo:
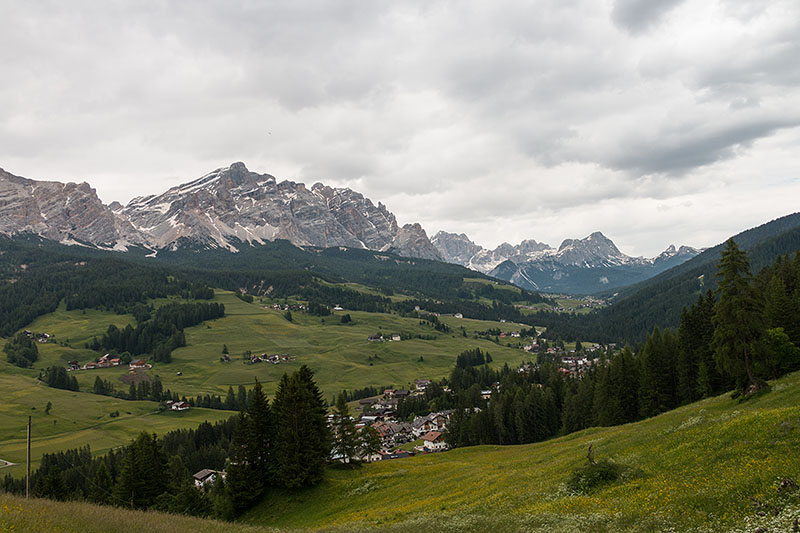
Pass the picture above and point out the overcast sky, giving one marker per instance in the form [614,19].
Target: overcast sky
[653,121]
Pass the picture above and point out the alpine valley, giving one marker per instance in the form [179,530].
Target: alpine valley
[270,357]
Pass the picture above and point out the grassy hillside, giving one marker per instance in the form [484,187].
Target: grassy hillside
[339,354]
[695,468]
[40,516]
[77,419]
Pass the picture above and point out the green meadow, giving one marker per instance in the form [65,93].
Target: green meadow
[77,419]
[339,354]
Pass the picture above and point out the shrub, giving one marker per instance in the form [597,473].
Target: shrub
[594,475]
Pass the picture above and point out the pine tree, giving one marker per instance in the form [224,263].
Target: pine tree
[737,319]
[623,387]
[369,441]
[657,382]
[230,400]
[53,485]
[345,439]
[142,476]
[302,443]
[243,485]
[101,486]
[261,437]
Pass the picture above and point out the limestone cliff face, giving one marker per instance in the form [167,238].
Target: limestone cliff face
[60,211]
[221,209]
[412,241]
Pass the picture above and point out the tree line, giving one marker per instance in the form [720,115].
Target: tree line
[21,350]
[38,274]
[283,444]
[162,333]
[149,473]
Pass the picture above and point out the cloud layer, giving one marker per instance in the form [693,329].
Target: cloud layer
[652,121]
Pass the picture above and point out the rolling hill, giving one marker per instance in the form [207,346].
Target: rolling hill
[716,465]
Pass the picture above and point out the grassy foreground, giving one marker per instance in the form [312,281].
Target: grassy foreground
[36,515]
[694,469]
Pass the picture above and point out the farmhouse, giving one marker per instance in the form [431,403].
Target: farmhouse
[367,402]
[434,441]
[206,477]
[422,384]
[178,406]
[139,363]
[432,422]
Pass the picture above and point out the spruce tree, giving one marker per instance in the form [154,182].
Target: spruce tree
[369,441]
[657,382]
[302,442]
[243,485]
[261,436]
[142,477]
[345,438]
[53,485]
[623,387]
[230,400]
[737,319]
[101,486]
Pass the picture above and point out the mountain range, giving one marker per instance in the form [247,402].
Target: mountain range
[223,209]
[577,266]
[232,207]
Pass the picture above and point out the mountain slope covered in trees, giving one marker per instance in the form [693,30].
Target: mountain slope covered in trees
[659,301]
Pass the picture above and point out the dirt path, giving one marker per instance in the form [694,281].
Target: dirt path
[4,463]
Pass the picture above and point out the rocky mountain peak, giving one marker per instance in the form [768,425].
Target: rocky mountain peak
[223,208]
[412,237]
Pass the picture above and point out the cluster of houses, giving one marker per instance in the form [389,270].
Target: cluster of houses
[380,338]
[107,361]
[434,313]
[379,413]
[292,307]
[38,337]
[264,358]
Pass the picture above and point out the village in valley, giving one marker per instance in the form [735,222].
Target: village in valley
[397,437]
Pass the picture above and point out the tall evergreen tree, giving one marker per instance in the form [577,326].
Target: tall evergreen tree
[737,319]
[657,382]
[142,476]
[261,436]
[101,486]
[243,484]
[302,443]
[345,438]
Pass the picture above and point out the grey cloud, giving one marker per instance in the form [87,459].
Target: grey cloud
[422,105]
[693,146]
[638,15]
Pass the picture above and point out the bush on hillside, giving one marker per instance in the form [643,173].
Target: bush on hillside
[595,474]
